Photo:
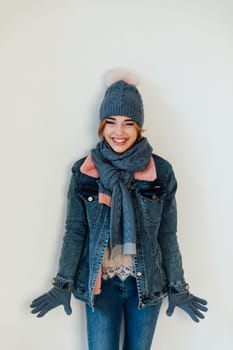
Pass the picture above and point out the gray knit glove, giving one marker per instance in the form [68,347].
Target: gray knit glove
[50,300]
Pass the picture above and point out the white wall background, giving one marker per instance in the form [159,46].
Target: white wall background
[53,54]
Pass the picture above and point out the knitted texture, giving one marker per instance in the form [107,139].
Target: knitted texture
[116,174]
[122,99]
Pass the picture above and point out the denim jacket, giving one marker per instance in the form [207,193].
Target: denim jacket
[158,263]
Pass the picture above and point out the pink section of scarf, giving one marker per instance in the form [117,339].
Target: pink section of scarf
[104,199]
[148,174]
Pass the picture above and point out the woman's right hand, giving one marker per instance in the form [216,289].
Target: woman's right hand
[50,300]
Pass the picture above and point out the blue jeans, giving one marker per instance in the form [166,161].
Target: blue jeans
[120,298]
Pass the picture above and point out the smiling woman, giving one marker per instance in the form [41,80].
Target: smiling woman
[120,253]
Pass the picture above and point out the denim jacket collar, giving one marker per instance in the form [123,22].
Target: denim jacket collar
[148,174]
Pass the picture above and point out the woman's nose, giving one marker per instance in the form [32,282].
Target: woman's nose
[119,129]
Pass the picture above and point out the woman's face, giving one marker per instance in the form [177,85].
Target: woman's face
[120,133]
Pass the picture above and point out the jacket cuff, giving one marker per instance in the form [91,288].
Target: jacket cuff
[178,287]
[62,283]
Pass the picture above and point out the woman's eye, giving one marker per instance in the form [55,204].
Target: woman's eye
[113,122]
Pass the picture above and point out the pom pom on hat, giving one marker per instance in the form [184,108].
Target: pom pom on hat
[122,98]
[117,74]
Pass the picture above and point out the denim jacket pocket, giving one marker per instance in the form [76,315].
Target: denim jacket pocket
[88,194]
[153,193]
[152,199]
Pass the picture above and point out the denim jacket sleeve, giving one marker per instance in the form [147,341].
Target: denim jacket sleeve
[74,236]
[167,238]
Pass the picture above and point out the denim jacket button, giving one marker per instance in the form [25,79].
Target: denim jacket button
[139,274]
[90,199]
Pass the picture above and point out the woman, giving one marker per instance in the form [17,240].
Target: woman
[120,253]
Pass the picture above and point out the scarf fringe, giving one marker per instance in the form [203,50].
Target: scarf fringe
[126,248]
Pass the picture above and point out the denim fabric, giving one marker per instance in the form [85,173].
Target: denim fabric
[119,299]
[158,262]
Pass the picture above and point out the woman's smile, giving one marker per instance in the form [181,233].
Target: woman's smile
[119,141]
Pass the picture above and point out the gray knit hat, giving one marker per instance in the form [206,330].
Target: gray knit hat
[122,98]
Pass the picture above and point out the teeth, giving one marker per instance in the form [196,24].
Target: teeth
[119,140]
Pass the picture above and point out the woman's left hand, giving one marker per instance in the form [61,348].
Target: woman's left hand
[189,303]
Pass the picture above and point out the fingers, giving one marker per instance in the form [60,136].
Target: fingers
[45,310]
[191,313]
[42,305]
[170,309]
[39,299]
[191,304]
[196,311]
[68,309]
[200,300]
[200,306]
[39,308]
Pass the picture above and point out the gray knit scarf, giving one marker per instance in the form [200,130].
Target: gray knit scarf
[116,171]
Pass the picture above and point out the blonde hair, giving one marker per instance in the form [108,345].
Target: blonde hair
[103,123]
